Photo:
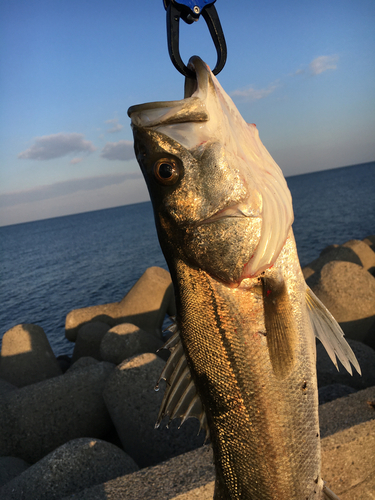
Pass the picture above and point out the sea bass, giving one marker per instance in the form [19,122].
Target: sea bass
[243,353]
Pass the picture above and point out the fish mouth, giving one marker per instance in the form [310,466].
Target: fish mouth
[190,109]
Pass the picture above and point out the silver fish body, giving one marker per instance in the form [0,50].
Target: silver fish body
[243,359]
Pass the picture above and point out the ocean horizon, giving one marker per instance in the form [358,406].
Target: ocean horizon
[127,204]
[51,266]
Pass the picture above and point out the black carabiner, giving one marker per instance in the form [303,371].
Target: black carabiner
[177,10]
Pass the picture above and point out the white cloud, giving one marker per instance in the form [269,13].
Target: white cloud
[57,145]
[74,161]
[252,94]
[122,150]
[116,126]
[323,63]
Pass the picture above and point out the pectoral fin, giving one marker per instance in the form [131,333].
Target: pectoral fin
[280,327]
[328,494]
[329,332]
[180,397]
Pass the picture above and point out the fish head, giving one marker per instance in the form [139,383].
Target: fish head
[221,203]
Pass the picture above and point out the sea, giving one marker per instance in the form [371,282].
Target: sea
[49,267]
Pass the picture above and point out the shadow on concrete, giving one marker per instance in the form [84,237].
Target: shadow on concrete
[26,356]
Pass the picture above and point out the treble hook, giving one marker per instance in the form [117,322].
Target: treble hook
[189,11]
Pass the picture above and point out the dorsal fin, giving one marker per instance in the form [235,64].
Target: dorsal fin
[180,398]
[329,332]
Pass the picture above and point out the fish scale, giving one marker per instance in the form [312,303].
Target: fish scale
[255,419]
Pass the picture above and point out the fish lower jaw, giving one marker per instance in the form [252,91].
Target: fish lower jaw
[228,213]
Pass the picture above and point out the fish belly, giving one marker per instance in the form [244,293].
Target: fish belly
[264,427]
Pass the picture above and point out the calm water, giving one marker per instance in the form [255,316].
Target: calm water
[52,266]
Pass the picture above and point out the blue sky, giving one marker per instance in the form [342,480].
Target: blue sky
[304,72]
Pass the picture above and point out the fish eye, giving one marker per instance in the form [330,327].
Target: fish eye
[166,171]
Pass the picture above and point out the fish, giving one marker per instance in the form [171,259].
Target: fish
[243,355]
